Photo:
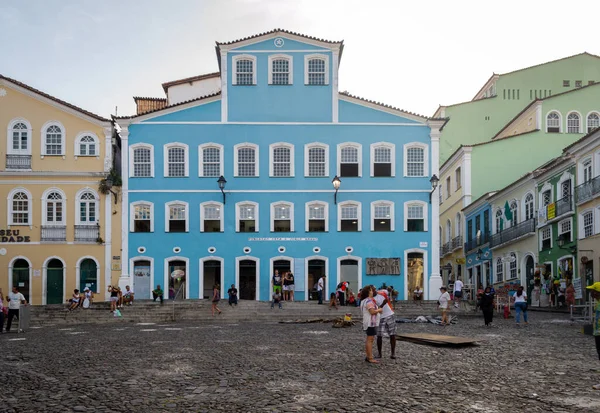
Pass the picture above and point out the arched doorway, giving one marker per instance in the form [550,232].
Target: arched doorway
[20,277]
[177,274]
[212,271]
[282,265]
[415,272]
[349,272]
[247,279]
[88,275]
[55,282]
[529,270]
[316,269]
[142,279]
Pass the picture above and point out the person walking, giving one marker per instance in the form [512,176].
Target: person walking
[15,299]
[215,299]
[321,288]
[387,323]
[458,287]
[570,295]
[443,303]
[595,293]
[1,312]
[291,286]
[520,298]
[114,297]
[371,319]
[232,293]
[487,306]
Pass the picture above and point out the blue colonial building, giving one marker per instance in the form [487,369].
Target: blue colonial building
[231,177]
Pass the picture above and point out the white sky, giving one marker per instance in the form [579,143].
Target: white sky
[415,55]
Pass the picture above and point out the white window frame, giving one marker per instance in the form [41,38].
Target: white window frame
[516,267]
[290,60]
[237,215]
[256,159]
[425,214]
[566,176]
[515,212]
[307,213]
[78,211]
[62,142]
[132,214]
[574,112]
[307,149]
[448,231]
[290,205]
[186,154]
[45,195]
[221,215]
[392,149]
[272,148]
[168,205]
[425,148]
[392,214]
[559,227]
[9,137]
[496,262]
[560,126]
[343,145]
[309,57]
[581,169]
[547,187]
[77,148]
[358,214]
[234,60]
[132,149]
[9,209]
[595,212]
[210,145]
[458,224]
[587,119]
[458,182]
[541,239]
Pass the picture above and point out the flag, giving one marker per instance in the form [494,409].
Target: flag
[507,212]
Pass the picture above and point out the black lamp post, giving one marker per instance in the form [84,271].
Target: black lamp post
[109,184]
[222,181]
[562,240]
[336,184]
[434,183]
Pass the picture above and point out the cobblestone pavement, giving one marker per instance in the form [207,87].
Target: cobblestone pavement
[548,366]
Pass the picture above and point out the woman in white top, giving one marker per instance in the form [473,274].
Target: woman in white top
[443,301]
[371,317]
[520,298]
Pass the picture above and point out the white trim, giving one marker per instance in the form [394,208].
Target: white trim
[180,108]
[45,203]
[392,213]
[9,210]
[580,121]
[307,148]
[427,293]
[132,262]
[201,262]
[523,266]
[559,227]
[566,176]
[77,148]
[132,149]
[172,145]
[581,170]
[201,158]
[560,121]
[43,138]
[9,137]
[308,288]
[224,80]
[132,214]
[45,279]
[524,205]
[595,222]
[339,270]
[425,148]
[546,187]
[96,204]
[125,159]
[257,274]
[168,205]
[98,272]
[358,204]
[458,222]
[585,130]
[234,60]
[335,95]
[274,34]
[274,50]
[271,261]
[272,215]
[256,148]
[343,145]
[541,240]
[166,275]
[237,214]
[221,214]
[422,120]
[325,213]
[290,60]
[328,191]
[272,148]
[392,149]
[425,214]
[324,57]
[10,274]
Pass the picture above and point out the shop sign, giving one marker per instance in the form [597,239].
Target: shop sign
[10,235]
[282,239]
[461,261]
[578,288]
[551,211]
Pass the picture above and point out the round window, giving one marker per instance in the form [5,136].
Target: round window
[212,250]
[247,250]
[349,249]
[142,250]
[177,250]
[316,250]
[281,249]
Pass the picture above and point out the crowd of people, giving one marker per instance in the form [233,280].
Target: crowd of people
[14,300]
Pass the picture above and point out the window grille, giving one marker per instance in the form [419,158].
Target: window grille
[87,146]
[382,161]
[316,162]
[588,224]
[142,163]
[244,72]
[553,123]
[415,160]
[176,162]
[349,161]
[246,162]
[20,208]
[53,141]
[281,72]
[316,72]
[19,141]
[54,208]
[281,161]
[593,122]
[573,123]
[211,162]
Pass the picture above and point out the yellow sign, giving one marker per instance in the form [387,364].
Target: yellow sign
[461,261]
[551,211]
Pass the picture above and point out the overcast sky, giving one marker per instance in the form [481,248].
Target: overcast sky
[415,55]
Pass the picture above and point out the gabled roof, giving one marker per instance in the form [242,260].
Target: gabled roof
[167,85]
[169,107]
[583,138]
[57,100]
[255,36]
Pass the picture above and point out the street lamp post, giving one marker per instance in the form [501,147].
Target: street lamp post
[222,181]
[336,185]
[434,183]
[109,184]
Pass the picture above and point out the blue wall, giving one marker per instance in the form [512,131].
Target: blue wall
[486,253]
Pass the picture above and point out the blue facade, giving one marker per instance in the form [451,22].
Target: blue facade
[271,130]
[478,254]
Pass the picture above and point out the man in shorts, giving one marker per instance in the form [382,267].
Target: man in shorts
[387,323]
[458,293]
[277,282]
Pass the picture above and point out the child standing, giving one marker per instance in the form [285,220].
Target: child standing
[595,293]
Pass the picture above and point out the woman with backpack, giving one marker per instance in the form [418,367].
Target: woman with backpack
[216,298]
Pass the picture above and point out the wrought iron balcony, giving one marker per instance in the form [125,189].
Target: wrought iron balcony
[18,161]
[445,249]
[588,190]
[512,233]
[555,209]
[473,242]
[87,233]
[54,233]
[457,243]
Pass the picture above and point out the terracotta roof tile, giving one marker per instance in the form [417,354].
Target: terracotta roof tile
[170,106]
[278,31]
[167,85]
[57,100]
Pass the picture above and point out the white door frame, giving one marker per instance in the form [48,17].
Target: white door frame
[271,261]
[339,265]
[307,288]
[10,274]
[426,291]
[187,276]
[201,274]
[257,271]
[132,261]
[45,278]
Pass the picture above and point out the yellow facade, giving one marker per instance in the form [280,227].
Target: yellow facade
[54,222]
[527,121]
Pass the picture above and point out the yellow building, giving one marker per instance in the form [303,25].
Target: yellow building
[56,226]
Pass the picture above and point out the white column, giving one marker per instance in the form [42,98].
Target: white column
[108,207]
[466,171]
[435,278]
[224,78]
[124,279]
[334,87]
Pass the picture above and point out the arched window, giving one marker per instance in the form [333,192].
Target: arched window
[54,209]
[87,144]
[282,217]
[211,160]
[514,209]
[247,216]
[142,216]
[88,209]
[53,140]
[415,217]
[19,135]
[317,217]
[177,216]
[383,159]
[528,207]
[458,225]
[553,122]
[593,122]
[281,160]
[176,160]
[281,70]
[141,160]
[499,221]
[316,70]
[316,158]
[573,122]
[587,170]
[513,265]
[246,160]
[349,216]
[211,217]
[499,270]
[448,231]
[416,159]
[20,208]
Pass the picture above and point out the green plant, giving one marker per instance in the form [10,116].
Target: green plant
[99,240]
[114,177]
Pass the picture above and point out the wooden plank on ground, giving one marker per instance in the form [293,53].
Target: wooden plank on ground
[437,339]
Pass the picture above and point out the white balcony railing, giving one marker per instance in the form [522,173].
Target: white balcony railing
[18,161]
[54,233]
[87,233]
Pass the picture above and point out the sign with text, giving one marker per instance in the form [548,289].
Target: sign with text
[12,235]
[383,266]
[282,239]
[551,211]
[578,288]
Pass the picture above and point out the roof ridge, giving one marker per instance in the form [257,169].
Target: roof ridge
[345,93]
[166,85]
[135,98]
[278,31]
[550,61]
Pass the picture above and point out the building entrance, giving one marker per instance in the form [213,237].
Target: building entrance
[415,267]
[54,282]
[349,272]
[177,276]
[247,280]
[20,277]
[142,279]
[316,269]
[212,276]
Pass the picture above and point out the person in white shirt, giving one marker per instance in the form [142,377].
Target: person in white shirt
[321,288]
[418,295]
[458,286]
[443,302]
[520,298]
[387,322]
[15,299]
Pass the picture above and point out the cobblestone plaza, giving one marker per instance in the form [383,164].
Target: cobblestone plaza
[548,366]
